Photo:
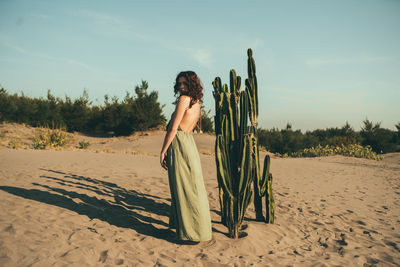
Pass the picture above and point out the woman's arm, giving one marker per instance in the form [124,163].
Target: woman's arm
[183,104]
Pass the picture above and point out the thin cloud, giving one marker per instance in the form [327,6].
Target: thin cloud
[99,17]
[78,63]
[258,43]
[112,25]
[315,62]
[6,42]
[40,16]
[202,56]
[325,95]
[325,98]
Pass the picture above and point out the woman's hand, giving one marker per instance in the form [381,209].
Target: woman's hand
[163,161]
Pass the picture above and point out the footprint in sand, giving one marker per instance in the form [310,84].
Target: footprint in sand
[306,248]
[342,241]
[93,230]
[371,261]
[380,211]
[202,256]
[119,261]
[341,251]
[300,209]
[167,258]
[317,223]
[391,244]
[366,233]
[10,229]
[323,243]
[360,222]
[103,256]
[313,212]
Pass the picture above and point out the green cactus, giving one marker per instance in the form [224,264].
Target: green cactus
[236,148]
[262,185]
[266,190]
[233,150]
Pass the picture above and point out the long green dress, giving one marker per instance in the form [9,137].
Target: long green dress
[190,211]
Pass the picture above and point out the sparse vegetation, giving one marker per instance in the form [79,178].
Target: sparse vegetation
[84,144]
[50,138]
[15,144]
[353,150]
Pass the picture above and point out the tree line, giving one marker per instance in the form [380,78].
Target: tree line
[138,112]
[142,111]
[287,140]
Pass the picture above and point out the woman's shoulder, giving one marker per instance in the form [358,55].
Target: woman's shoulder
[183,101]
[184,98]
[187,102]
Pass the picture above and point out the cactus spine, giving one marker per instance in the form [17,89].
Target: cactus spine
[236,148]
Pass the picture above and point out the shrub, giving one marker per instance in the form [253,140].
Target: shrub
[381,140]
[15,144]
[207,124]
[353,150]
[84,144]
[49,138]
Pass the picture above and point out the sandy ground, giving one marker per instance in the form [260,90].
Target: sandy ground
[82,208]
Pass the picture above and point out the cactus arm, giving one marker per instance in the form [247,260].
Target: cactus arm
[244,109]
[230,113]
[225,88]
[223,168]
[245,166]
[232,81]
[270,202]
[252,112]
[264,180]
[233,104]
[251,71]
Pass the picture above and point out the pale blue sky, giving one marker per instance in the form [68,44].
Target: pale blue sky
[319,63]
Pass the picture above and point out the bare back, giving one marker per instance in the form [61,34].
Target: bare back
[191,117]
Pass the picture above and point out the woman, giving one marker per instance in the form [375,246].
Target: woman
[190,212]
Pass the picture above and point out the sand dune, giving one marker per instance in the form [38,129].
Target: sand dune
[82,208]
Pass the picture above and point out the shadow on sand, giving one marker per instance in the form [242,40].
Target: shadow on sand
[121,211]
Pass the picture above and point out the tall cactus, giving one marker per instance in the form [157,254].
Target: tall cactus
[262,184]
[236,147]
[233,149]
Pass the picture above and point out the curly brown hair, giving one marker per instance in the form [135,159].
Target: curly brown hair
[195,88]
